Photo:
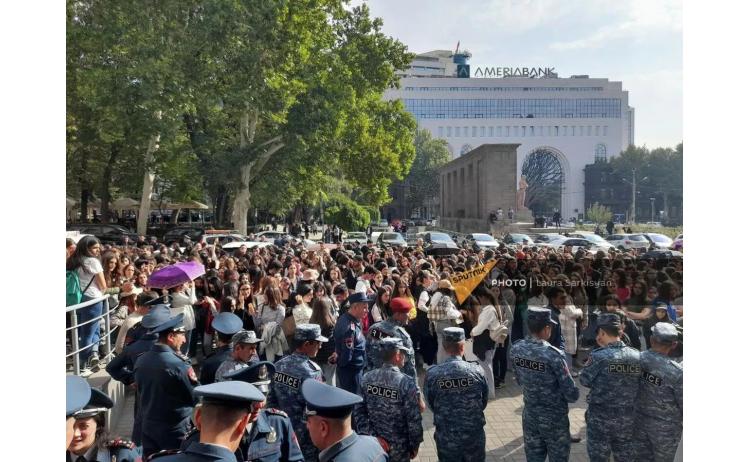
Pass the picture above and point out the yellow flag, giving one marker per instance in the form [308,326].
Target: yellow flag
[465,282]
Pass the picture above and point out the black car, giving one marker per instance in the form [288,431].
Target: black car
[107,233]
[179,233]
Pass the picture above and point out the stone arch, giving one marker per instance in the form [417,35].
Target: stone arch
[547,171]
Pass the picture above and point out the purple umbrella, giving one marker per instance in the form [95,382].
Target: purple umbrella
[174,275]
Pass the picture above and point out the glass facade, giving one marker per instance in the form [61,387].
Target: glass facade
[581,108]
[509,89]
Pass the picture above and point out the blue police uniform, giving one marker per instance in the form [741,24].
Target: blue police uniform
[542,373]
[228,324]
[165,383]
[334,403]
[122,367]
[350,345]
[612,373]
[232,393]
[390,409]
[116,450]
[658,421]
[271,436]
[457,392]
[286,389]
[389,328]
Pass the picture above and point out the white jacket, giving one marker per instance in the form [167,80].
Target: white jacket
[182,302]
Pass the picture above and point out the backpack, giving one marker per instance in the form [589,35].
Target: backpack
[73,292]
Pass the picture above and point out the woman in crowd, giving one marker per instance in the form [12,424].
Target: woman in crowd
[303,310]
[487,332]
[85,262]
[612,305]
[183,298]
[271,310]
[322,309]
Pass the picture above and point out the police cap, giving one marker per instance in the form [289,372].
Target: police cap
[227,323]
[245,336]
[99,402]
[664,332]
[392,344]
[158,315]
[258,373]
[173,323]
[231,393]
[608,320]
[359,297]
[540,315]
[309,332]
[77,394]
[454,334]
[327,401]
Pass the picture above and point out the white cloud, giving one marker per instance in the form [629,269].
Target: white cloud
[642,17]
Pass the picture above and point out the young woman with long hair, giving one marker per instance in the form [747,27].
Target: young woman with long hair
[321,315]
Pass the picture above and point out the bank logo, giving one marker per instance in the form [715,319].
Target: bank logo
[463,71]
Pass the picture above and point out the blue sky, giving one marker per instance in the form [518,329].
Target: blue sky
[633,41]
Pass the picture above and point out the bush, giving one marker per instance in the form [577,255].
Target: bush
[347,215]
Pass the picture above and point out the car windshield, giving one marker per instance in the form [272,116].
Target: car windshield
[483,237]
[593,238]
[440,237]
[391,236]
[355,235]
[520,238]
[659,237]
[636,237]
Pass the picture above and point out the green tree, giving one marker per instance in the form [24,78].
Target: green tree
[347,214]
[598,213]
[423,179]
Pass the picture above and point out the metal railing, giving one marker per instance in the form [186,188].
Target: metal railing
[72,331]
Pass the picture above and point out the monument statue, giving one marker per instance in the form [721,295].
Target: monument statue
[521,193]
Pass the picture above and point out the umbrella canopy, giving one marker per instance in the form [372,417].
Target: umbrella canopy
[189,205]
[174,275]
[125,203]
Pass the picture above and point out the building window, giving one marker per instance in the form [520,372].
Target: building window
[515,130]
[491,130]
[466,132]
[440,132]
[604,129]
[523,130]
[600,152]
[482,131]
[588,131]
[507,130]
[473,132]
[597,131]
[532,131]
[450,132]
[603,193]
[557,131]
[565,130]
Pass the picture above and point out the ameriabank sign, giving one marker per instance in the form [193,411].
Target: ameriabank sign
[502,72]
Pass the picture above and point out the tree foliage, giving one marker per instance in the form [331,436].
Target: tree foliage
[347,214]
[423,178]
[257,101]
[599,213]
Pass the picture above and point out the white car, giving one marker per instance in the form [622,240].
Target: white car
[599,242]
[660,241]
[481,241]
[232,246]
[271,235]
[354,236]
[221,239]
[629,241]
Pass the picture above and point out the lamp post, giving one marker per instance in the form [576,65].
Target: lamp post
[652,209]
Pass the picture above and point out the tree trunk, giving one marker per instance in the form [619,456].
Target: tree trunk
[666,208]
[84,204]
[107,180]
[148,183]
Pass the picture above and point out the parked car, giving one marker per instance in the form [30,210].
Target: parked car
[434,241]
[677,244]
[106,233]
[575,243]
[391,239]
[350,237]
[222,238]
[546,237]
[629,241]
[177,234]
[481,241]
[659,241]
[234,245]
[599,242]
[518,238]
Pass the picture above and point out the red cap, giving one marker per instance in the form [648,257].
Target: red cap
[520,255]
[400,305]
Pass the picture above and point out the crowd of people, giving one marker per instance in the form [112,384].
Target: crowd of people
[369,322]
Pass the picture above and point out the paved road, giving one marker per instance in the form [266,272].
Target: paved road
[503,429]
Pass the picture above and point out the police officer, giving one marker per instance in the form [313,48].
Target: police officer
[121,368]
[77,394]
[291,372]
[457,391]
[165,383]
[541,371]
[658,421]
[88,444]
[226,325]
[139,330]
[244,350]
[222,417]
[269,436]
[390,410]
[612,372]
[349,343]
[391,327]
[328,416]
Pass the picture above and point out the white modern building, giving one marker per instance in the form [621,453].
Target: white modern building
[562,124]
